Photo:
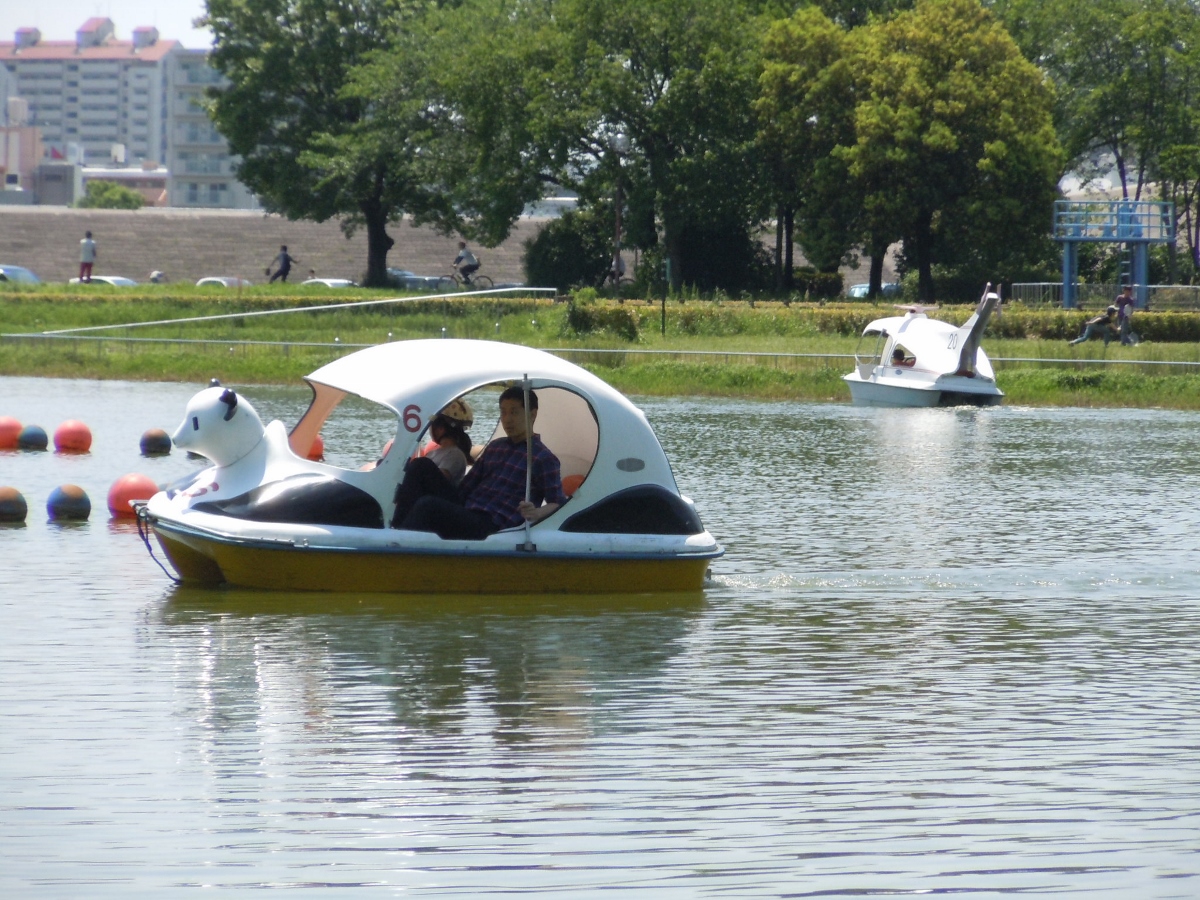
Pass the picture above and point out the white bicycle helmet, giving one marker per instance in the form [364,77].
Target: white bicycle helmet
[459,411]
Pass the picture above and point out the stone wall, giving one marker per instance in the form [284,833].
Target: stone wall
[190,244]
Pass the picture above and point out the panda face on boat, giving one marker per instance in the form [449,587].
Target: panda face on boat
[219,425]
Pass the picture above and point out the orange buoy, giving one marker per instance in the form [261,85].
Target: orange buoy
[155,442]
[126,489]
[72,436]
[317,451]
[10,431]
[68,503]
[12,505]
[32,437]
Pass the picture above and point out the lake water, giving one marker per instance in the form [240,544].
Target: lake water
[947,651]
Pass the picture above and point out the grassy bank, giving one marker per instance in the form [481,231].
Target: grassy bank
[245,348]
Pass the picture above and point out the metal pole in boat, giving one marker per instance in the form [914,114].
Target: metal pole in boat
[528,459]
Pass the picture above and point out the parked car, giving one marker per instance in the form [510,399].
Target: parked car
[411,281]
[223,281]
[887,289]
[331,282]
[110,280]
[18,275]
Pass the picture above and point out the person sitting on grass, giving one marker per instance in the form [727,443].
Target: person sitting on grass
[1101,326]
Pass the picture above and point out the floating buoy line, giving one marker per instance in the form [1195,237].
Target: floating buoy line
[70,502]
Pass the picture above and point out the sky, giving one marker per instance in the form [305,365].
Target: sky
[58,19]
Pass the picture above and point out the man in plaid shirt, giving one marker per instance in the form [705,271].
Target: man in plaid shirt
[492,495]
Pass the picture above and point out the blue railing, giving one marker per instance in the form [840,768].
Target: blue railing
[1127,221]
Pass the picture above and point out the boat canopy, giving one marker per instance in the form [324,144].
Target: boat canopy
[580,418]
[934,343]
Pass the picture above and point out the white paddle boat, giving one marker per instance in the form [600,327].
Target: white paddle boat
[913,360]
[265,515]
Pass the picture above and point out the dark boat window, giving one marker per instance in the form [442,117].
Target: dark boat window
[645,509]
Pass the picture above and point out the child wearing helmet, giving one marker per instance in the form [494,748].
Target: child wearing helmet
[439,468]
[451,446]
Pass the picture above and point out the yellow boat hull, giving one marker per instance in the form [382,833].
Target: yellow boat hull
[199,558]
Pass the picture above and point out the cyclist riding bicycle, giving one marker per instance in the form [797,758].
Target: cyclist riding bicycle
[465,263]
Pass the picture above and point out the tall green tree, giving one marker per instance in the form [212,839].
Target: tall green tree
[806,110]
[954,138]
[311,145]
[649,99]
[1180,168]
[1126,76]
[459,94]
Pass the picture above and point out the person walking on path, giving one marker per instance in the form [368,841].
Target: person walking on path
[87,257]
[284,262]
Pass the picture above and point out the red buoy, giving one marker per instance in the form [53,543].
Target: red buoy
[317,451]
[72,436]
[126,489]
[10,431]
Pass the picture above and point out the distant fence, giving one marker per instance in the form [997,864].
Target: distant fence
[1092,296]
[581,355]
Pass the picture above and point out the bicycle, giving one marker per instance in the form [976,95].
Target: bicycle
[455,281]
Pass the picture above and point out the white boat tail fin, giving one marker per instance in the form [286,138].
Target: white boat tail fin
[971,332]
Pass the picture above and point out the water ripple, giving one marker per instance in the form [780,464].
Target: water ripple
[947,651]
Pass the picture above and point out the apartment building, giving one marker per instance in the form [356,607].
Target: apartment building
[101,101]
[198,156]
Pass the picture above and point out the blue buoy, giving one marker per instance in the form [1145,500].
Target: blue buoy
[156,442]
[68,503]
[12,505]
[33,437]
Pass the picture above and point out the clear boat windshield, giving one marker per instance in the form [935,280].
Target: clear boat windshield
[365,430]
[869,351]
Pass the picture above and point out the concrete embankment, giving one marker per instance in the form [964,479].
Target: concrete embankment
[189,244]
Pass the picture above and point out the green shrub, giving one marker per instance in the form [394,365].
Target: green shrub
[110,195]
[571,250]
[586,317]
[817,285]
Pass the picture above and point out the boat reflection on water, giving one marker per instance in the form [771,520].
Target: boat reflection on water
[514,665]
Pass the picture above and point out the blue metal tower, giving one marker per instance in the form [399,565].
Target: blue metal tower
[1135,223]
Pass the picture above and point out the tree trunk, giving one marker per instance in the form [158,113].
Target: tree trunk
[875,281]
[674,261]
[789,229]
[924,247]
[379,242]
[779,247]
